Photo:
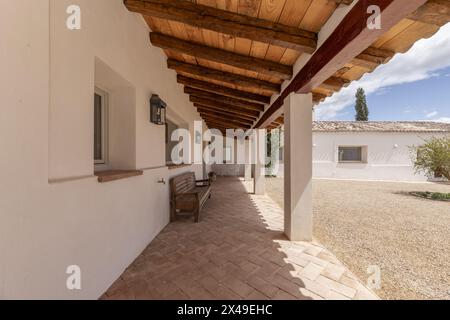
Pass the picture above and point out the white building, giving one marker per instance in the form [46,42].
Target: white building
[370,150]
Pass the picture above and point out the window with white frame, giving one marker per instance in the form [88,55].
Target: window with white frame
[352,154]
[100,127]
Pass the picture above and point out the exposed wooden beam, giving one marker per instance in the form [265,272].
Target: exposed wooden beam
[318,97]
[224,99]
[227,22]
[225,113]
[341,72]
[211,87]
[210,113]
[349,39]
[225,77]
[206,114]
[222,106]
[334,83]
[262,66]
[226,121]
[343,2]
[435,12]
[228,124]
[372,57]
[279,122]
[221,125]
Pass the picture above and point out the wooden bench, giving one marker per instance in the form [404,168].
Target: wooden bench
[188,195]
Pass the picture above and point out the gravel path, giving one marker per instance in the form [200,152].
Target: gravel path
[376,223]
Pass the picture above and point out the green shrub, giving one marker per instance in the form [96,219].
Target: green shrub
[433,157]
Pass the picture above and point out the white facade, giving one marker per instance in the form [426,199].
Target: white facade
[387,155]
[53,211]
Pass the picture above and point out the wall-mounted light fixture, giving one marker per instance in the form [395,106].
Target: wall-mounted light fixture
[396,146]
[157,110]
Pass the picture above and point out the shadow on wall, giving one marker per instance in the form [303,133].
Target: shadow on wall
[231,254]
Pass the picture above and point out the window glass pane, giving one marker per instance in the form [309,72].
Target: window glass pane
[98,147]
[353,154]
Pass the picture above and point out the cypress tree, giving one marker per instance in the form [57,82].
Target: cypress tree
[362,111]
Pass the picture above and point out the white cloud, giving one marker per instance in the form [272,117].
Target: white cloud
[432,114]
[421,62]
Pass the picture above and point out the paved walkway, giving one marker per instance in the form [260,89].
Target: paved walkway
[378,223]
[237,251]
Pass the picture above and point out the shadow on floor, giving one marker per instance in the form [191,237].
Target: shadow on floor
[233,253]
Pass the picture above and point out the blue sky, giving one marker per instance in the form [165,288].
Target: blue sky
[412,86]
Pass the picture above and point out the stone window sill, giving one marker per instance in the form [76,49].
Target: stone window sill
[113,175]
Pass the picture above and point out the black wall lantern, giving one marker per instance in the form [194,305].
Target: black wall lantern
[157,110]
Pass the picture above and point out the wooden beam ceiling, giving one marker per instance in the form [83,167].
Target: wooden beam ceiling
[343,2]
[348,40]
[372,57]
[223,106]
[436,12]
[222,125]
[224,99]
[224,117]
[225,114]
[226,121]
[211,87]
[228,111]
[224,77]
[334,83]
[234,24]
[318,97]
[244,62]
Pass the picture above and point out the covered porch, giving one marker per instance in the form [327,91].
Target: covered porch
[87,166]
[237,251]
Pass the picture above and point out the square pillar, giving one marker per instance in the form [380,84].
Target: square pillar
[260,179]
[248,161]
[260,164]
[298,212]
[248,172]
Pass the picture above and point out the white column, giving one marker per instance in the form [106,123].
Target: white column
[298,213]
[248,172]
[260,166]
[248,161]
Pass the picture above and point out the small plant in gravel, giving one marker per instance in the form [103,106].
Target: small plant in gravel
[433,157]
[433,195]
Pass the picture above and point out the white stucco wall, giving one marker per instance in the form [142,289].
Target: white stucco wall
[389,156]
[53,212]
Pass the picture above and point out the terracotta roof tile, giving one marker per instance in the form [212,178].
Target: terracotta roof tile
[380,126]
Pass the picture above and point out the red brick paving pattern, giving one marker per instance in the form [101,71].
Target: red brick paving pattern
[236,252]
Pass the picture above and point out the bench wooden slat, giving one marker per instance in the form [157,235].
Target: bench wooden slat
[187,196]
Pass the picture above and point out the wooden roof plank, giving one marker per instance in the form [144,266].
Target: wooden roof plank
[224,99]
[221,76]
[244,115]
[222,106]
[217,55]
[225,115]
[227,22]
[211,87]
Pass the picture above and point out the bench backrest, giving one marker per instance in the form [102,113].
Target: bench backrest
[183,183]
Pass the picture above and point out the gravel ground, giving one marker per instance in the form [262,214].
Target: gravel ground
[377,223]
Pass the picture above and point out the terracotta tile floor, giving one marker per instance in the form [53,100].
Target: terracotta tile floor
[237,251]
